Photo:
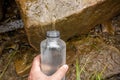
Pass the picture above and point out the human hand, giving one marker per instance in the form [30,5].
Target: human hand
[36,73]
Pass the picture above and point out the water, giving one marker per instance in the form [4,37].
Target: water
[53,24]
[51,61]
[53,54]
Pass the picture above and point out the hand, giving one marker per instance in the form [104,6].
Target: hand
[36,73]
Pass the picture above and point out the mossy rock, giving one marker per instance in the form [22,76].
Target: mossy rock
[95,59]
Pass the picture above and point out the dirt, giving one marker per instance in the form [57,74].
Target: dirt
[10,42]
[18,40]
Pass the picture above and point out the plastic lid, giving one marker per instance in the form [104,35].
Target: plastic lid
[53,34]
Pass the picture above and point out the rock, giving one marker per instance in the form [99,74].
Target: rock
[23,62]
[108,27]
[14,25]
[112,26]
[94,57]
[114,77]
[23,69]
[73,17]
[116,24]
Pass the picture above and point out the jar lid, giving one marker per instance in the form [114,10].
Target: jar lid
[53,34]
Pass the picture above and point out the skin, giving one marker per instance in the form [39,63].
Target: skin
[36,73]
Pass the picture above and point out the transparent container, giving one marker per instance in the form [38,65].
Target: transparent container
[53,53]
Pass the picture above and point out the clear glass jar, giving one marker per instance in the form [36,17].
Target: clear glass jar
[53,53]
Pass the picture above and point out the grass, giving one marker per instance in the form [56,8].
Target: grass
[80,70]
[95,76]
[4,70]
[98,76]
[77,70]
[10,57]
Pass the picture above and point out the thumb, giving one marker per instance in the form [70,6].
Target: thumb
[36,64]
[60,73]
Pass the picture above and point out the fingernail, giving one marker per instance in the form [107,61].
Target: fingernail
[65,66]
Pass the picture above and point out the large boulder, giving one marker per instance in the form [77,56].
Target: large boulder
[71,17]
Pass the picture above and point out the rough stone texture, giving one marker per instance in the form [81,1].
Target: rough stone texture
[94,57]
[14,25]
[23,62]
[73,17]
[107,27]
[112,26]
[22,68]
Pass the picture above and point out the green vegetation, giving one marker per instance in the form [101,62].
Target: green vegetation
[95,76]
[98,76]
[10,58]
[77,70]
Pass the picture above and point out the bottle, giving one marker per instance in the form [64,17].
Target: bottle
[53,53]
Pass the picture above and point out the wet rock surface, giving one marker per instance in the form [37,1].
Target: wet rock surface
[82,15]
